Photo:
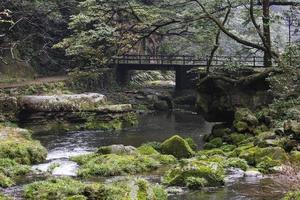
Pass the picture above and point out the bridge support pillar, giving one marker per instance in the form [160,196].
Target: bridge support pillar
[182,79]
[122,75]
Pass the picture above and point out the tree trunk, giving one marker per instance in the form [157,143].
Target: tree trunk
[267,33]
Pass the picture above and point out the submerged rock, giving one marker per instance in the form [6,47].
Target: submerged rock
[177,147]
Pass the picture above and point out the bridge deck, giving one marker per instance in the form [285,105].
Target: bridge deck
[158,62]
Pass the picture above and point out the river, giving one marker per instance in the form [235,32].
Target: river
[152,127]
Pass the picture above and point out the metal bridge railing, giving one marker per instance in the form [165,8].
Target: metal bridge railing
[184,60]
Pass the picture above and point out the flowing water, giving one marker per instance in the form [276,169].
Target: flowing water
[152,127]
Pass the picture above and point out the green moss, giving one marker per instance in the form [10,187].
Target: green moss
[18,146]
[182,174]
[292,196]
[266,165]
[126,120]
[53,189]
[114,165]
[149,150]
[4,197]
[155,145]
[191,142]
[295,156]
[196,183]
[227,148]
[67,188]
[93,124]
[237,163]
[241,126]
[255,155]
[217,142]
[177,147]
[237,138]
[121,160]
[245,115]
[146,149]
[10,170]
[211,152]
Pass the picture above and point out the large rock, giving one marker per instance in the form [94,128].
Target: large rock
[59,103]
[217,98]
[177,147]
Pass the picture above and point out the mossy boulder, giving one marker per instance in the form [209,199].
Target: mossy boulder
[114,165]
[237,138]
[245,115]
[255,155]
[241,126]
[244,120]
[267,164]
[220,130]
[195,172]
[67,188]
[150,151]
[121,160]
[192,143]
[214,143]
[295,156]
[211,152]
[16,144]
[177,147]
[237,163]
